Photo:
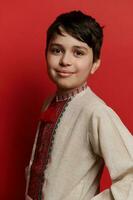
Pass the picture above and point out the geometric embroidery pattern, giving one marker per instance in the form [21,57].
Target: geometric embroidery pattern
[49,121]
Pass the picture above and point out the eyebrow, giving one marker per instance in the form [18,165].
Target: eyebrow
[75,46]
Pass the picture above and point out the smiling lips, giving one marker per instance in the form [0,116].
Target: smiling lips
[64,73]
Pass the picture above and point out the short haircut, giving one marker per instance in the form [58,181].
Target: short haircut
[80,26]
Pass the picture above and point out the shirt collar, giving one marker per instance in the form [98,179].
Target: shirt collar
[70,94]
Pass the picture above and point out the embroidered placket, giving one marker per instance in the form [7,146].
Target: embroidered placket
[49,120]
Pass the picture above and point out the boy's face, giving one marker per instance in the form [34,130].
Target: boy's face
[69,61]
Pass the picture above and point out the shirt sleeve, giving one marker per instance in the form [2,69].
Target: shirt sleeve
[112,141]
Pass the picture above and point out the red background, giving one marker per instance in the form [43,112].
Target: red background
[24,83]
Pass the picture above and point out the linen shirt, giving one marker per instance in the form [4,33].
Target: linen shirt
[88,135]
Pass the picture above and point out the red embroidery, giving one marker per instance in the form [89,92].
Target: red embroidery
[49,119]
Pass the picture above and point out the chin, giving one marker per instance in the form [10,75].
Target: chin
[66,83]
[63,85]
[66,86]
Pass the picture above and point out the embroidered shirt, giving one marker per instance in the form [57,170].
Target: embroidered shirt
[89,134]
[49,120]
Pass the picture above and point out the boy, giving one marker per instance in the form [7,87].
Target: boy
[78,132]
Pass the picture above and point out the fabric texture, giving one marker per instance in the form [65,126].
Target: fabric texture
[88,135]
[48,119]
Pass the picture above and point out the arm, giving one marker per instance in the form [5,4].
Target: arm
[111,140]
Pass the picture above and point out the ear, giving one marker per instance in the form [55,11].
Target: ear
[95,66]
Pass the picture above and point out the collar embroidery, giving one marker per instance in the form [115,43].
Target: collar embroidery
[68,95]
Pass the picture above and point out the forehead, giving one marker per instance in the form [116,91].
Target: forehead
[65,39]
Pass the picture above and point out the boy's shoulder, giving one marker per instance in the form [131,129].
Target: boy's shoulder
[91,99]
[95,104]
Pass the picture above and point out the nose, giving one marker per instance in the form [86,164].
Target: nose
[65,60]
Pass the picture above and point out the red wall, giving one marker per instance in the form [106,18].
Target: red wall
[24,83]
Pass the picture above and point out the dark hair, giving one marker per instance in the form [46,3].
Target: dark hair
[82,27]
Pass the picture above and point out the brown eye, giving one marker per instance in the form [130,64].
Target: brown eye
[55,50]
[78,53]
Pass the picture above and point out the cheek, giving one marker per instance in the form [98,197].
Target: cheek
[49,60]
[85,67]
[52,61]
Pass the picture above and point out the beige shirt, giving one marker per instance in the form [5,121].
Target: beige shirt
[89,134]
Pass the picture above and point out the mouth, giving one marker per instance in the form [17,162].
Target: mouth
[64,73]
